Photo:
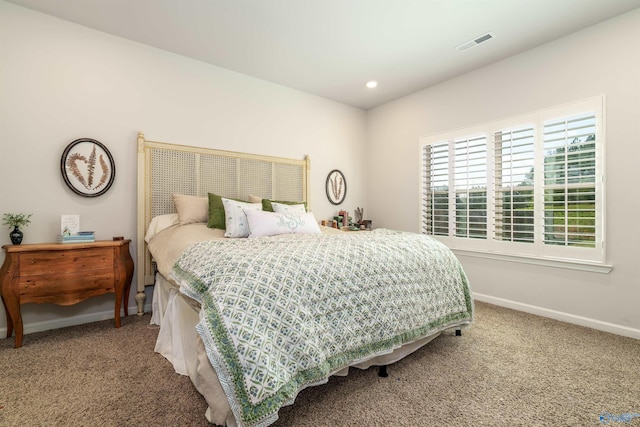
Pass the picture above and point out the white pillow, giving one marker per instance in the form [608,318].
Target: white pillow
[290,209]
[235,218]
[159,223]
[255,199]
[262,223]
[191,208]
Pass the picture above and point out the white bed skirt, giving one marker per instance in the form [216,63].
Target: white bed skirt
[181,345]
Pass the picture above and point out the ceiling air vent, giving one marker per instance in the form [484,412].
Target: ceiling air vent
[475,42]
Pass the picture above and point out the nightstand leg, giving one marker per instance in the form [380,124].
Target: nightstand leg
[123,281]
[127,262]
[125,300]
[9,321]
[14,320]
[18,325]
[117,310]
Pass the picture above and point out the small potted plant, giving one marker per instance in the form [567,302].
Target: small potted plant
[16,221]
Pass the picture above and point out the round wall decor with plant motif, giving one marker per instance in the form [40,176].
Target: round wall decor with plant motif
[87,167]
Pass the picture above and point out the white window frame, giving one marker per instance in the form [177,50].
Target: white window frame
[590,259]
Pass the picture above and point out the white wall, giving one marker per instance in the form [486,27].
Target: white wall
[604,59]
[60,81]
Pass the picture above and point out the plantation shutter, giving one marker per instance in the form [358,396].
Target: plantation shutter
[470,177]
[570,181]
[514,184]
[529,186]
[435,184]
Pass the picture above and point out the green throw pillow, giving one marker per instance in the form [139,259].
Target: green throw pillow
[216,211]
[266,204]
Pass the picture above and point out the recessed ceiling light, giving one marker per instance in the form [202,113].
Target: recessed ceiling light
[372,84]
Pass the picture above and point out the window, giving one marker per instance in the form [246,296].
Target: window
[513,185]
[436,190]
[569,181]
[470,183]
[528,186]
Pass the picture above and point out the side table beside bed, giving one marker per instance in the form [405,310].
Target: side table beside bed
[63,274]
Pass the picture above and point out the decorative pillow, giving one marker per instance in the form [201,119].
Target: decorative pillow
[235,217]
[263,223]
[159,223]
[290,209]
[254,199]
[191,208]
[267,205]
[216,211]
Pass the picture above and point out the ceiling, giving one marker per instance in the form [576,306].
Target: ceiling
[331,48]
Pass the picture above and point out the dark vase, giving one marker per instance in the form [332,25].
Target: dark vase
[16,236]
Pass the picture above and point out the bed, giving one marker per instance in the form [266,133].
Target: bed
[256,301]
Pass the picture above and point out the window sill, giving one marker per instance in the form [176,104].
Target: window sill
[545,262]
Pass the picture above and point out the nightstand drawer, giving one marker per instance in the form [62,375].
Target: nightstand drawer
[61,287]
[69,261]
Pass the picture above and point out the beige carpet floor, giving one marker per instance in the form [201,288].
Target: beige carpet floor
[508,369]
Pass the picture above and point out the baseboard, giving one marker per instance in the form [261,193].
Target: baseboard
[540,311]
[559,315]
[64,322]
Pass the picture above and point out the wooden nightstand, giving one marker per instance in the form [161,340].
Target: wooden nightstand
[63,274]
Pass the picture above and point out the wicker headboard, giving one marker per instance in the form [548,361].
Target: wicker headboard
[165,169]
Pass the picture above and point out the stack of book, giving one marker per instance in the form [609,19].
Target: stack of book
[79,237]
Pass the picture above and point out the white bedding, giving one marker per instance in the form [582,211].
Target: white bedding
[179,343]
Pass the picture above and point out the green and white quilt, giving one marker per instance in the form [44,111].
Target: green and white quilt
[281,314]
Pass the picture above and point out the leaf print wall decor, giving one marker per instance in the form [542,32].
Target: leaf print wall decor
[87,167]
[336,187]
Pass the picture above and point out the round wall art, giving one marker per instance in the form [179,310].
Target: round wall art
[336,187]
[87,167]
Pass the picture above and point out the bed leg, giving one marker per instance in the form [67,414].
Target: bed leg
[458,332]
[382,371]
[140,297]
